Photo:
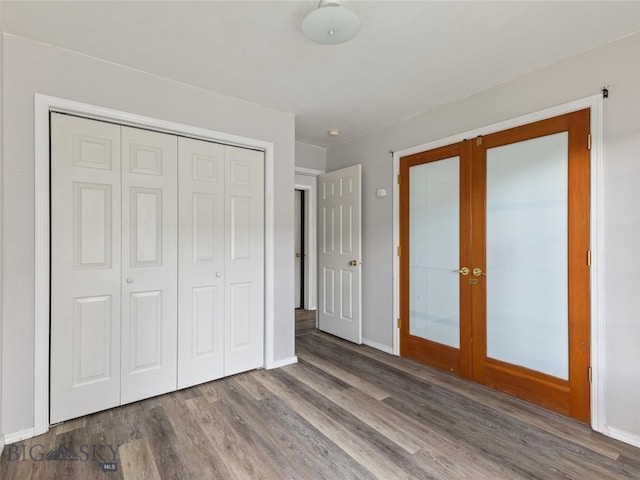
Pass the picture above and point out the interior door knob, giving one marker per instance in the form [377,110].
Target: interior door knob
[129,280]
[478,271]
[218,274]
[298,255]
[463,271]
[354,263]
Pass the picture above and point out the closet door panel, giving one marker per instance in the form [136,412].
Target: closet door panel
[149,264]
[85,267]
[201,247]
[244,260]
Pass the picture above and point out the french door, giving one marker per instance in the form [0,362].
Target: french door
[495,261]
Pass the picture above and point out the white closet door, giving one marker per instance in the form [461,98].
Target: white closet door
[85,267]
[202,262]
[244,260]
[149,264]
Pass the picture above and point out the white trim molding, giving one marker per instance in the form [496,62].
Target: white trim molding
[593,102]
[308,171]
[622,435]
[283,363]
[377,346]
[43,106]
[10,438]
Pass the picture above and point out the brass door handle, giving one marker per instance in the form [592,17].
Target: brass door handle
[463,271]
[354,263]
[478,271]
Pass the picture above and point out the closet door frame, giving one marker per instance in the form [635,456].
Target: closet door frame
[44,105]
[595,103]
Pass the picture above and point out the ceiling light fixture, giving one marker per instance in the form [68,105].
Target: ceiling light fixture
[331,23]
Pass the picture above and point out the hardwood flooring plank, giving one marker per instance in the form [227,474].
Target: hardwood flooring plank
[255,389]
[137,461]
[323,459]
[164,445]
[365,445]
[231,441]
[274,443]
[71,425]
[365,408]
[195,447]
[343,374]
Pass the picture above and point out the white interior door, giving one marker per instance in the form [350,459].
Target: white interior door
[202,262]
[298,248]
[244,260]
[85,267]
[340,252]
[149,264]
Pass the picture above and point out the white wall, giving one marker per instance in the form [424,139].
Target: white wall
[30,67]
[616,65]
[310,156]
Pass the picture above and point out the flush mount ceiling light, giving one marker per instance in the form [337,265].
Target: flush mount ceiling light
[331,23]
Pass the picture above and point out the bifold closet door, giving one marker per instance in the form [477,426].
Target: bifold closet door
[113,265]
[201,314]
[149,264]
[244,260]
[85,267]
[221,277]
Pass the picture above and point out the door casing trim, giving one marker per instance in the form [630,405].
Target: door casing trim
[43,105]
[595,103]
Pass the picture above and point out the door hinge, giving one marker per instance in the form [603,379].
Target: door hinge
[398,179]
[588,258]
[590,374]
[478,140]
[589,141]
[399,323]
[398,250]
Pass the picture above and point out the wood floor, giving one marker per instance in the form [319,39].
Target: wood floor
[343,412]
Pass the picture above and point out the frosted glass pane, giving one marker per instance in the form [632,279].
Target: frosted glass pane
[527,273]
[434,207]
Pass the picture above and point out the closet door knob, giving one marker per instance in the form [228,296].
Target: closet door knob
[218,274]
[129,280]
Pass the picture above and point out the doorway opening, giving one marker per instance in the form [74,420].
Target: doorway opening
[300,253]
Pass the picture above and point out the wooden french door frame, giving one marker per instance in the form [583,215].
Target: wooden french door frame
[570,397]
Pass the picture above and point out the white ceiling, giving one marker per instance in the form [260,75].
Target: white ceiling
[408,57]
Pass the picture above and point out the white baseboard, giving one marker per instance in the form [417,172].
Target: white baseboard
[282,363]
[17,436]
[377,346]
[622,435]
